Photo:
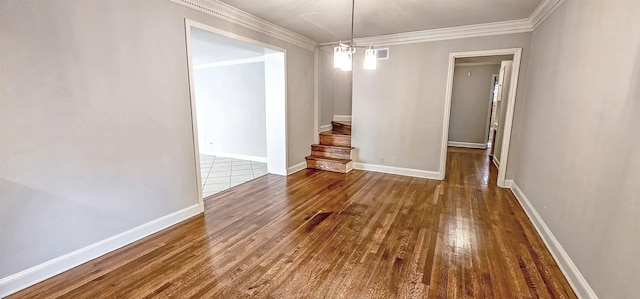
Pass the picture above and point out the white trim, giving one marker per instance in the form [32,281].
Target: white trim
[440,34]
[194,116]
[325,128]
[544,9]
[316,95]
[229,62]
[504,158]
[467,144]
[508,123]
[35,274]
[342,118]
[191,23]
[477,63]
[275,101]
[235,156]
[295,168]
[494,80]
[418,173]
[496,162]
[239,17]
[577,281]
[275,67]
[509,183]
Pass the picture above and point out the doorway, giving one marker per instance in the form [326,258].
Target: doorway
[238,104]
[503,136]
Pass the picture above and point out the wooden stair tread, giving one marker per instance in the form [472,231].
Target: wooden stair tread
[312,157]
[344,123]
[334,151]
[334,146]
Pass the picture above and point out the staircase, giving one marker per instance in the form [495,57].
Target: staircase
[334,151]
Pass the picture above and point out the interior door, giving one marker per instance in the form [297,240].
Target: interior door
[504,82]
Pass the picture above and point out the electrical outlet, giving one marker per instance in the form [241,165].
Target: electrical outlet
[381,160]
[394,161]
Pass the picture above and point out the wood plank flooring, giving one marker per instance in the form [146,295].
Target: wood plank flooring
[318,234]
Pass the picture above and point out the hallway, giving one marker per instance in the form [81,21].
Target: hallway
[324,234]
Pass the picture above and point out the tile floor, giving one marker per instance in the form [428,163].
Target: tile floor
[219,173]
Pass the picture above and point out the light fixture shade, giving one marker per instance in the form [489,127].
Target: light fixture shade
[347,62]
[370,59]
[338,56]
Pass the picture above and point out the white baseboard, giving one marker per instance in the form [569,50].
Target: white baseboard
[326,128]
[342,118]
[295,168]
[467,144]
[35,274]
[235,156]
[508,184]
[399,170]
[568,268]
[496,162]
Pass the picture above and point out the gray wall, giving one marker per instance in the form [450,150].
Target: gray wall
[95,121]
[398,110]
[579,157]
[471,103]
[334,88]
[231,109]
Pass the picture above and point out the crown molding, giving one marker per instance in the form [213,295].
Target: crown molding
[479,30]
[236,16]
[537,17]
[543,11]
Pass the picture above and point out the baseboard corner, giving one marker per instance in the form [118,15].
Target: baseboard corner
[295,168]
[342,118]
[467,144]
[573,275]
[31,276]
[418,173]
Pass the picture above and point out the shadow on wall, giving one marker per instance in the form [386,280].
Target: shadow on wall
[38,225]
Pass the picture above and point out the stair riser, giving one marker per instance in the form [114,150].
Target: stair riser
[342,128]
[343,140]
[329,166]
[332,155]
[331,152]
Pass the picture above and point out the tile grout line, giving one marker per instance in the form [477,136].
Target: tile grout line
[209,171]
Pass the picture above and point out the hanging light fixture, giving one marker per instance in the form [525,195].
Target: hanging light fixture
[370,58]
[343,53]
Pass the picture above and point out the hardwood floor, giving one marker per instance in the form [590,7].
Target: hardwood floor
[322,234]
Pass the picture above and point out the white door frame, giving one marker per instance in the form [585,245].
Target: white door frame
[488,130]
[276,103]
[511,101]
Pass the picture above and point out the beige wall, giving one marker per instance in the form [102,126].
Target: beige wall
[398,110]
[579,154]
[95,120]
[471,103]
[334,88]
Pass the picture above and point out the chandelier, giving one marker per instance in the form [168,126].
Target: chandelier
[343,53]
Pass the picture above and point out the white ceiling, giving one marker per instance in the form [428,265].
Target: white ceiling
[208,47]
[330,20]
